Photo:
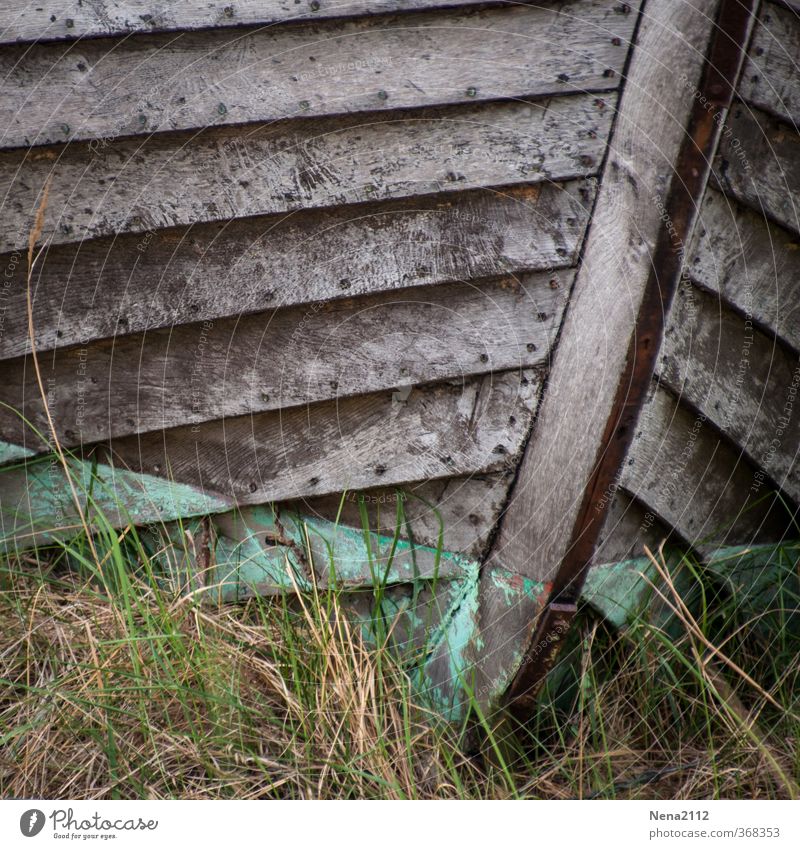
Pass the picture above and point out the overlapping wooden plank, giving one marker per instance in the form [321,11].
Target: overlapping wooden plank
[759,165]
[453,429]
[628,528]
[537,529]
[174,180]
[101,288]
[696,483]
[101,89]
[752,264]
[745,382]
[769,79]
[47,20]
[450,430]
[287,358]
[459,511]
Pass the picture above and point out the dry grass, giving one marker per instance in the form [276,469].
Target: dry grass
[112,688]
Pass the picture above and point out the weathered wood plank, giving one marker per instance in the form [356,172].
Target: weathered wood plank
[325,553]
[449,430]
[696,483]
[460,510]
[750,263]
[769,79]
[744,382]
[101,288]
[50,20]
[173,181]
[759,165]
[650,127]
[192,80]
[628,528]
[460,428]
[286,358]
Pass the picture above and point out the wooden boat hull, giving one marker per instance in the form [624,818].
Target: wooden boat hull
[361,289]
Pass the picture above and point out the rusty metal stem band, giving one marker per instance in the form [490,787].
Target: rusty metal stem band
[715,93]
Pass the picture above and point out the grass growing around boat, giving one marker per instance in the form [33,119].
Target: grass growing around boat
[113,685]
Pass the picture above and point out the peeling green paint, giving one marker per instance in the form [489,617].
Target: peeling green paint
[257,550]
[621,591]
[617,590]
[37,499]
[10,453]
[441,679]
[513,586]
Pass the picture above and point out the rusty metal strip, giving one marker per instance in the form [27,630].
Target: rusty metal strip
[721,70]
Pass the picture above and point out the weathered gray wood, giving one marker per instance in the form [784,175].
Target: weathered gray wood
[770,79]
[628,528]
[696,483]
[462,509]
[450,430]
[101,288]
[759,164]
[749,262]
[536,529]
[174,181]
[743,381]
[193,80]
[272,361]
[460,428]
[47,20]
[510,603]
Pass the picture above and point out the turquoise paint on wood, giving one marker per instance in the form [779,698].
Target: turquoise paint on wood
[10,453]
[37,504]
[254,549]
[260,551]
[621,592]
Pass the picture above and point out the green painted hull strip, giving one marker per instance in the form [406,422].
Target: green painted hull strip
[204,545]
